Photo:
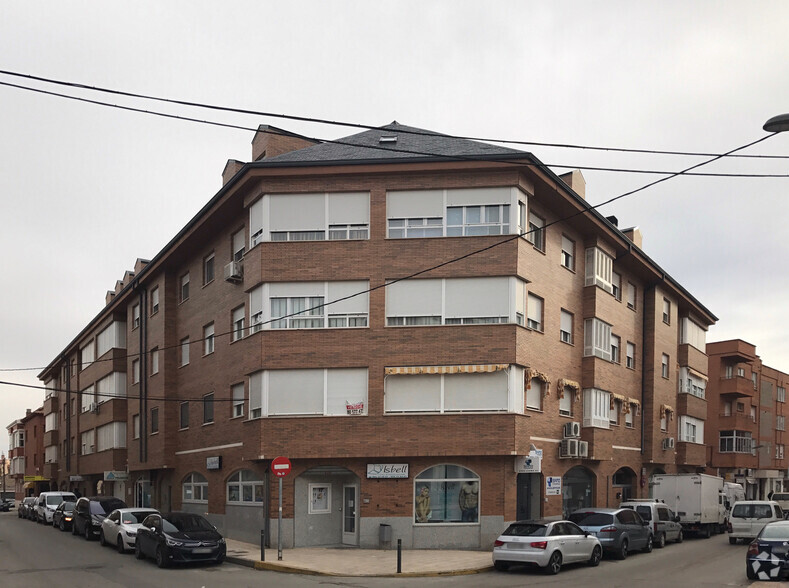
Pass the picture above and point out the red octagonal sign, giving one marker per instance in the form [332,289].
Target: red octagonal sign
[280,466]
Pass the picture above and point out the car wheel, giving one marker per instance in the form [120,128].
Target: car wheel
[648,546]
[501,566]
[161,557]
[554,564]
[661,541]
[137,551]
[622,553]
[121,548]
[706,533]
[680,537]
[62,525]
[102,540]
[87,531]
[73,528]
[732,540]
[749,572]
[597,555]
[220,559]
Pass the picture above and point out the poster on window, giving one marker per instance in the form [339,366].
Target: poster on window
[320,499]
[446,502]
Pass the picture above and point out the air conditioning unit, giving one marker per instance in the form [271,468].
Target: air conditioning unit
[668,443]
[234,271]
[571,430]
[583,449]
[568,448]
[94,407]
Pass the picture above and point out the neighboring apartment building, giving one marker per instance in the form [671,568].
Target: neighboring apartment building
[521,376]
[747,415]
[26,454]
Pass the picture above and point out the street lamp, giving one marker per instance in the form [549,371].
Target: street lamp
[777,124]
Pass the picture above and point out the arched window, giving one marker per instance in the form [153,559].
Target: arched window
[195,488]
[245,487]
[577,489]
[446,494]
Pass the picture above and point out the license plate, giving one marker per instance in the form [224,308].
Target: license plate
[200,550]
[517,545]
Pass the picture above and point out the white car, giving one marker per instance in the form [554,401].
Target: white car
[120,527]
[547,544]
[46,504]
[748,518]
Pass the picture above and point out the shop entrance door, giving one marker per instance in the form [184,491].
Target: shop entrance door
[350,536]
[523,505]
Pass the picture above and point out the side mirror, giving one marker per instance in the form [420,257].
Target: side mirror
[644,523]
[152,529]
[676,519]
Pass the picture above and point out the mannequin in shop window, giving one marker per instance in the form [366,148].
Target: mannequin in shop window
[423,505]
[468,499]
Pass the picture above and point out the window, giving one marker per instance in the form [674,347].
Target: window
[522,219]
[208,269]
[136,425]
[111,386]
[195,488]
[740,372]
[568,253]
[238,324]
[238,245]
[753,414]
[691,382]
[155,360]
[566,327]
[86,355]
[184,351]
[630,361]
[238,400]
[629,417]
[631,296]
[135,316]
[208,339]
[727,408]
[88,440]
[616,285]
[740,407]
[306,311]
[780,423]
[599,269]
[692,334]
[184,413]
[135,371]
[536,234]
[663,421]
[691,430]
[664,366]
[666,311]
[88,399]
[753,379]
[616,345]
[112,337]
[446,493]
[597,404]
[154,420]
[493,219]
[320,499]
[208,408]
[155,300]
[736,442]
[185,287]
[597,339]
[245,486]
[111,436]
[779,451]
[310,217]
[412,228]
[781,394]
[534,394]
[534,316]
[613,413]
[566,401]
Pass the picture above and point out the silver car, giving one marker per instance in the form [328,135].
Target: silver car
[120,527]
[547,544]
[620,530]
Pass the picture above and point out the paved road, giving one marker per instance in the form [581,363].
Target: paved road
[33,555]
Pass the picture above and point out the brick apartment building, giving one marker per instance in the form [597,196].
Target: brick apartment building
[521,376]
[26,455]
[747,432]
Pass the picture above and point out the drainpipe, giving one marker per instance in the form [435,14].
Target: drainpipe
[68,412]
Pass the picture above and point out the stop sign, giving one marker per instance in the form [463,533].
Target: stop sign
[280,466]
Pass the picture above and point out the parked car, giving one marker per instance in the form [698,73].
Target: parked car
[47,503]
[547,544]
[29,508]
[6,504]
[63,515]
[179,537]
[24,507]
[120,527]
[782,498]
[768,556]
[90,511]
[748,518]
[665,523]
[620,530]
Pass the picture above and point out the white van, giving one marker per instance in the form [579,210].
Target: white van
[748,518]
[47,502]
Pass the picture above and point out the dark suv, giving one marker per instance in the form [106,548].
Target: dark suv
[90,511]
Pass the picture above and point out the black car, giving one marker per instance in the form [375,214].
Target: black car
[63,515]
[25,509]
[179,537]
[90,511]
[768,554]
[6,504]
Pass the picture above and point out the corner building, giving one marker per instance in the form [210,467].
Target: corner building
[440,334]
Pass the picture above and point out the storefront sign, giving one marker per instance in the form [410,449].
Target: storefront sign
[387,470]
[116,476]
[553,486]
[76,478]
[213,463]
[528,464]
[36,479]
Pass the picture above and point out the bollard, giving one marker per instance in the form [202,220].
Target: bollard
[262,545]
[399,556]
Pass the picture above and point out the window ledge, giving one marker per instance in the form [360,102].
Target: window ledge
[241,416]
[206,424]
[183,429]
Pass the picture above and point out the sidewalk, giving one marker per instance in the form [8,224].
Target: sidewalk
[328,561]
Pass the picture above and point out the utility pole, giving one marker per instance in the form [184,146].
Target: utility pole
[2,470]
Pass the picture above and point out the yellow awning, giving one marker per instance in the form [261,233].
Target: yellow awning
[445,369]
[698,374]
[29,485]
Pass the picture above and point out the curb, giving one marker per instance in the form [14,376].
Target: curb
[288,569]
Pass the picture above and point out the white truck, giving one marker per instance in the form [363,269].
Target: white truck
[698,500]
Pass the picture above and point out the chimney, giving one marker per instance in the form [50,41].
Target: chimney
[575,179]
[231,168]
[613,220]
[634,234]
[270,141]
[108,298]
[140,264]
[27,412]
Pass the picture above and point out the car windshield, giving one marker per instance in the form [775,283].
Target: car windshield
[102,507]
[645,512]
[525,530]
[778,496]
[187,523]
[131,518]
[592,519]
[55,500]
[775,533]
[752,511]
[66,506]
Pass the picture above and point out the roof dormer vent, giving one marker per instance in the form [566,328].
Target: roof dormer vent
[388,139]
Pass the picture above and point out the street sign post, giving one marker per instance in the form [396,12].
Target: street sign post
[281,467]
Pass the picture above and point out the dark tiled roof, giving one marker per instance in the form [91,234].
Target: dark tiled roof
[412,143]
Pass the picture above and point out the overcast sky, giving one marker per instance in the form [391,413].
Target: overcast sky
[85,189]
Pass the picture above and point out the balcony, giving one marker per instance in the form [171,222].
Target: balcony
[51,404]
[691,454]
[736,386]
[51,470]
[692,406]
[51,438]
[600,441]
[736,351]
[738,420]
